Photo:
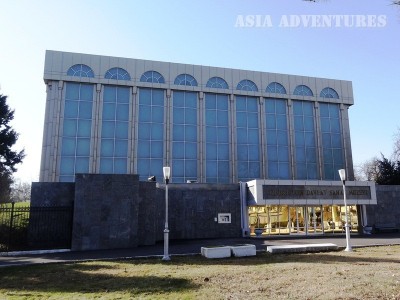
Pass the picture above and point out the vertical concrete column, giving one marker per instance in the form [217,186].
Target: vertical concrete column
[167,126]
[94,162]
[50,136]
[262,136]
[201,139]
[56,111]
[133,131]
[318,137]
[292,158]
[232,132]
[345,127]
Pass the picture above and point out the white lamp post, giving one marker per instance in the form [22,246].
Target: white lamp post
[342,174]
[167,176]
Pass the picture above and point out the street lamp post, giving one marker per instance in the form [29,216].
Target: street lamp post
[342,174]
[167,176]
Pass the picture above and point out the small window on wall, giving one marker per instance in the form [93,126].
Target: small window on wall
[152,76]
[329,93]
[185,79]
[302,90]
[275,87]
[247,85]
[217,82]
[80,70]
[117,74]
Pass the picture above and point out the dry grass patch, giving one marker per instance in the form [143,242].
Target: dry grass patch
[366,273]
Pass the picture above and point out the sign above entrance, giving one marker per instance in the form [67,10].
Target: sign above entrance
[314,192]
[309,192]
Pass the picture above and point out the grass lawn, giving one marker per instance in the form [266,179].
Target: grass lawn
[366,273]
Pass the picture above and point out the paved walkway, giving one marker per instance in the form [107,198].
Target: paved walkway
[193,247]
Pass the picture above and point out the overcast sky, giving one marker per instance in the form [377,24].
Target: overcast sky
[354,40]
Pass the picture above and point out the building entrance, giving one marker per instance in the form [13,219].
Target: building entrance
[300,220]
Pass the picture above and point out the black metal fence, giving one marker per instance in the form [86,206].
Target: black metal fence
[33,228]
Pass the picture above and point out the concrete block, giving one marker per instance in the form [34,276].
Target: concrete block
[302,248]
[216,252]
[243,250]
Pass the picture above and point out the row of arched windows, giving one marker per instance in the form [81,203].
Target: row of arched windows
[81,70]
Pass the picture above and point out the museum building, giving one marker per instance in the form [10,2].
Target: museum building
[281,138]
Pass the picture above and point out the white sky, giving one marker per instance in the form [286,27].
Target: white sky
[206,33]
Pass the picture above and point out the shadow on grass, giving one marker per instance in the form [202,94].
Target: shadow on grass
[77,278]
[267,258]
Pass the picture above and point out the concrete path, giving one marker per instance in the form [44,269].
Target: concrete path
[189,247]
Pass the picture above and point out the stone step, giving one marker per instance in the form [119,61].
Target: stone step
[302,248]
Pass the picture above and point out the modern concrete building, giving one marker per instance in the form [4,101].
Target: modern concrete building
[285,135]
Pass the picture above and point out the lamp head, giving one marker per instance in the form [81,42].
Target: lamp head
[342,174]
[167,174]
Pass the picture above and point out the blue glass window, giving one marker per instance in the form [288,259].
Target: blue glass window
[80,70]
[77,124]
[303,90]
[247,136]
[184,136]
[275,87]
[332,148]
[150,151]
[217,82]
[329,93]
[118,74]
[247,85]
[152,76]
[277,139]
[305,141]
[114,130]
[185,79]
[217,138]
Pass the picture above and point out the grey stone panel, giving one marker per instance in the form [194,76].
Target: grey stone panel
[194,207]
[388,208]
[105,212]
[52,193]
[147,213]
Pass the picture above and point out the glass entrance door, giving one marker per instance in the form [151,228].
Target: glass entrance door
[306,220]
[315,220]
[298,217]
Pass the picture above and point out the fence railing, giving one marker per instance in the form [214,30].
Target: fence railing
[33,228]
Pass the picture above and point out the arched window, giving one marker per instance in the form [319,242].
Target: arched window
[303,90]
[275,87]
[185,79]
[247,85]
[80,70]
[217,82]
[152,76]
[118,74]
[329,93]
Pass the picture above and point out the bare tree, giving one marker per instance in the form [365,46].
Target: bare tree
[396,145]
[367,170]
[20,191]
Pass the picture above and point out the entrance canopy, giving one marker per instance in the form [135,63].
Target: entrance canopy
[309,192]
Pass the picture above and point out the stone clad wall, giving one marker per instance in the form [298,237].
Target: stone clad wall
[106,210]
[52,193]
[388,208]
[194,207]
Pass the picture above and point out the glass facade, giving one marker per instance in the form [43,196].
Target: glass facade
[151,125]
[208,124]
[217,138]
[277,139]
[184,136]
[305,140]
[114,130]
[76,130]
[247,138]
